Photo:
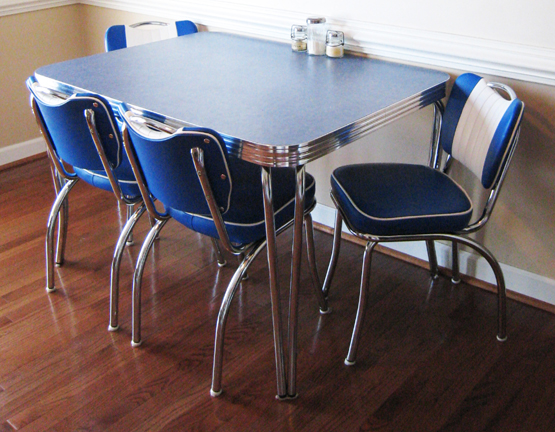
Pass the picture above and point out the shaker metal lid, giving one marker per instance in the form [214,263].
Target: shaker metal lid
[315,20]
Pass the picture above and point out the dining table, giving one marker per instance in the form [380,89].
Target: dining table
[274,107]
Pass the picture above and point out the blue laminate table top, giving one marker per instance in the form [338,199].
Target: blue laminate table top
[273,106]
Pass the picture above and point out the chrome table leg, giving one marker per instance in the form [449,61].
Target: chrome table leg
[295,281]
[273,278]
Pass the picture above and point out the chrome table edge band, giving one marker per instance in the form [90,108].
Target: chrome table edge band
[295,154]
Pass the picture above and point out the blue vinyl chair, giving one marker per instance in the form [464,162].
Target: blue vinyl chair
[122,36]
[81,132]
[189,172]
[391,202]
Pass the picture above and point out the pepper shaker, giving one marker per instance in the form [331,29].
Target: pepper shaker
[334,44]
[298,38]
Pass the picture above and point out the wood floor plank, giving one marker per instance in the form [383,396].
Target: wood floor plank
[428,358]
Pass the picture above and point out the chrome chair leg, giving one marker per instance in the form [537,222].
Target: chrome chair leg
[501,289]
[130,211]
[63,217]
[240,259]
[334,253]
[432,258]
[219,255]
[54,212]
[137,279]
[455,273]
[362,302]
[216,389]
[311,252]
[116,261]
[273,280]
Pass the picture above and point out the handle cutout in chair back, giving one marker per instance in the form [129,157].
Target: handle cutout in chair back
[166,164]
[479,126]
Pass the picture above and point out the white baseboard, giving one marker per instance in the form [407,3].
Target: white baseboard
[519,281]
[22,150]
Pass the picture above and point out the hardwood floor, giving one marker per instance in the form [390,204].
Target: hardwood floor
[428,361]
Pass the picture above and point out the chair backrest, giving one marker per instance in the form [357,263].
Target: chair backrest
[480,127]
[166,166]
[65,128]
[122,36]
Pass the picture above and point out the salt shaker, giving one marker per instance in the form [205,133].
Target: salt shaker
[316,36]
[298,38]
[334,43]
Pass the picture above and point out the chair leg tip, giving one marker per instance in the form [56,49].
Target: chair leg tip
[349,362]
[215,394]
[112,328]
[222,264]
[130,243]
[136,344]
[456,281]
[325,311]
[502,338]
[59,264]
[50,289]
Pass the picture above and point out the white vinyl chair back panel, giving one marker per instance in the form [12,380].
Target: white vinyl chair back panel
[146,34]
[479,120]
[479,124]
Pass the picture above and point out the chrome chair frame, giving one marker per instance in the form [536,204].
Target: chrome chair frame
[247,253]
[435,161]
[63,183]
[143,23]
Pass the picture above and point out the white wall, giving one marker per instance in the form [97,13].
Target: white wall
[527,23]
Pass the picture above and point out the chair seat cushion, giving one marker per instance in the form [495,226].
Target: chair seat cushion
[100,180]
[245,218]
[400,199]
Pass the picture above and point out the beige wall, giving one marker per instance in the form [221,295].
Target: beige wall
[522,230]
[34,39]
[31,40]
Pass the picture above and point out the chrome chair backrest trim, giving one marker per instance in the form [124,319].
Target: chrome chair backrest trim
[197,156]
[89,116]
[143,23]
[147,198]
[198,159]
